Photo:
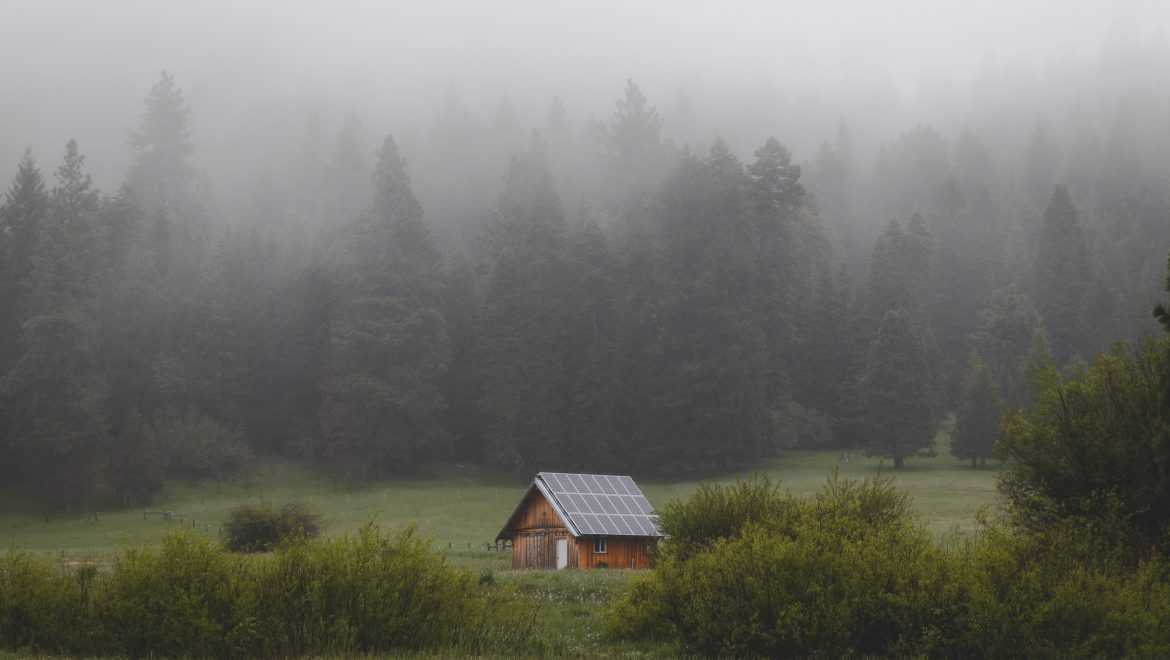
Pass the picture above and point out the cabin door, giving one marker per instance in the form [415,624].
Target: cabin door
[562,553]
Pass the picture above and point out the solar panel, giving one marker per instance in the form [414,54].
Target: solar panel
[602,504]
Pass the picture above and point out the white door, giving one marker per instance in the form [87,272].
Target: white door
[562,553]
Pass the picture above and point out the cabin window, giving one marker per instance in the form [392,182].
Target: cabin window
[599,545]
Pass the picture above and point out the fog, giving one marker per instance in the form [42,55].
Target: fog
[255,72]
[607,236]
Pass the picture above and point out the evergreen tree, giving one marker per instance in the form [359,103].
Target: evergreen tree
[790,245]
[776,179]
[525,322]
[162,175]
[1062,277]
[130,308]
[830,180]
[901,268]
[634,157]
[977,418]
[897,393]
[21,219]
[1011,341]
[55,393]
[287,392]
[463,381]
[595,361]
[388,344]
[829,358]
[136,464]
[709,400]
[310,174]
[24,209]
[347,177]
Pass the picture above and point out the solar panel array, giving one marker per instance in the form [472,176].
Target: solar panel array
[602,504]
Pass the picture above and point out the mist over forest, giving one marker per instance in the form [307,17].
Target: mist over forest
[653,239]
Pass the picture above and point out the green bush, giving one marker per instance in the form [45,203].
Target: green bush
[717,512]
[179,599]
[43,608]
[761,573]
[850,573]
[371,593]
[261,527]
[1059,595]
[189,598]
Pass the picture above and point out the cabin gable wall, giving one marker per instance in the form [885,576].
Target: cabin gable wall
[535,532]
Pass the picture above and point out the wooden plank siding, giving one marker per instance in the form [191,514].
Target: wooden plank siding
[538,549]
[620,552]
[536,530]
[538,514]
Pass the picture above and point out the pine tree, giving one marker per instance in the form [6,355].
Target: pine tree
[829,359]
[388,344]
[977,418]
[595,361]
[1011,340]
[55,393]
[463,381]
[130,313]
[830,180]
[790,248]
[162,175]
[25,206]
[901,267]
[708,396]
[21,220]
[634,157]
[897,392]
[347,176]
[1062,278]
[525,322]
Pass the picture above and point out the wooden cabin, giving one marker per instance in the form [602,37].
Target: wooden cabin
[582,521]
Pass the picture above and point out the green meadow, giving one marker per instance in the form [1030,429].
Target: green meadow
[460,507]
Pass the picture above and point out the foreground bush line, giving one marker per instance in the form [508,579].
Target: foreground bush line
[751,571]
[373,593]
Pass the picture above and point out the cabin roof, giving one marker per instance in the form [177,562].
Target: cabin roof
[593,505]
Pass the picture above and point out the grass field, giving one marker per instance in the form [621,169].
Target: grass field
[460,507]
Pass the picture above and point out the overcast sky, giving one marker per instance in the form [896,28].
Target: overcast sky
[80,69]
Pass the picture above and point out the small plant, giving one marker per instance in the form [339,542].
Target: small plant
[261,527]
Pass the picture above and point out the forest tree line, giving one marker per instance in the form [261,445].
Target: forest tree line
[625,303]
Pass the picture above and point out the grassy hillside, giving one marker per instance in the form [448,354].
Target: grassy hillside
[454,505]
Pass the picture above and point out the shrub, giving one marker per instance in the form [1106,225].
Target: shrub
[261,527]
[1095,447]
[716,512]
[188,598]
[44,608]
[765,574]
[372,593]
[176,600]
[850,573]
